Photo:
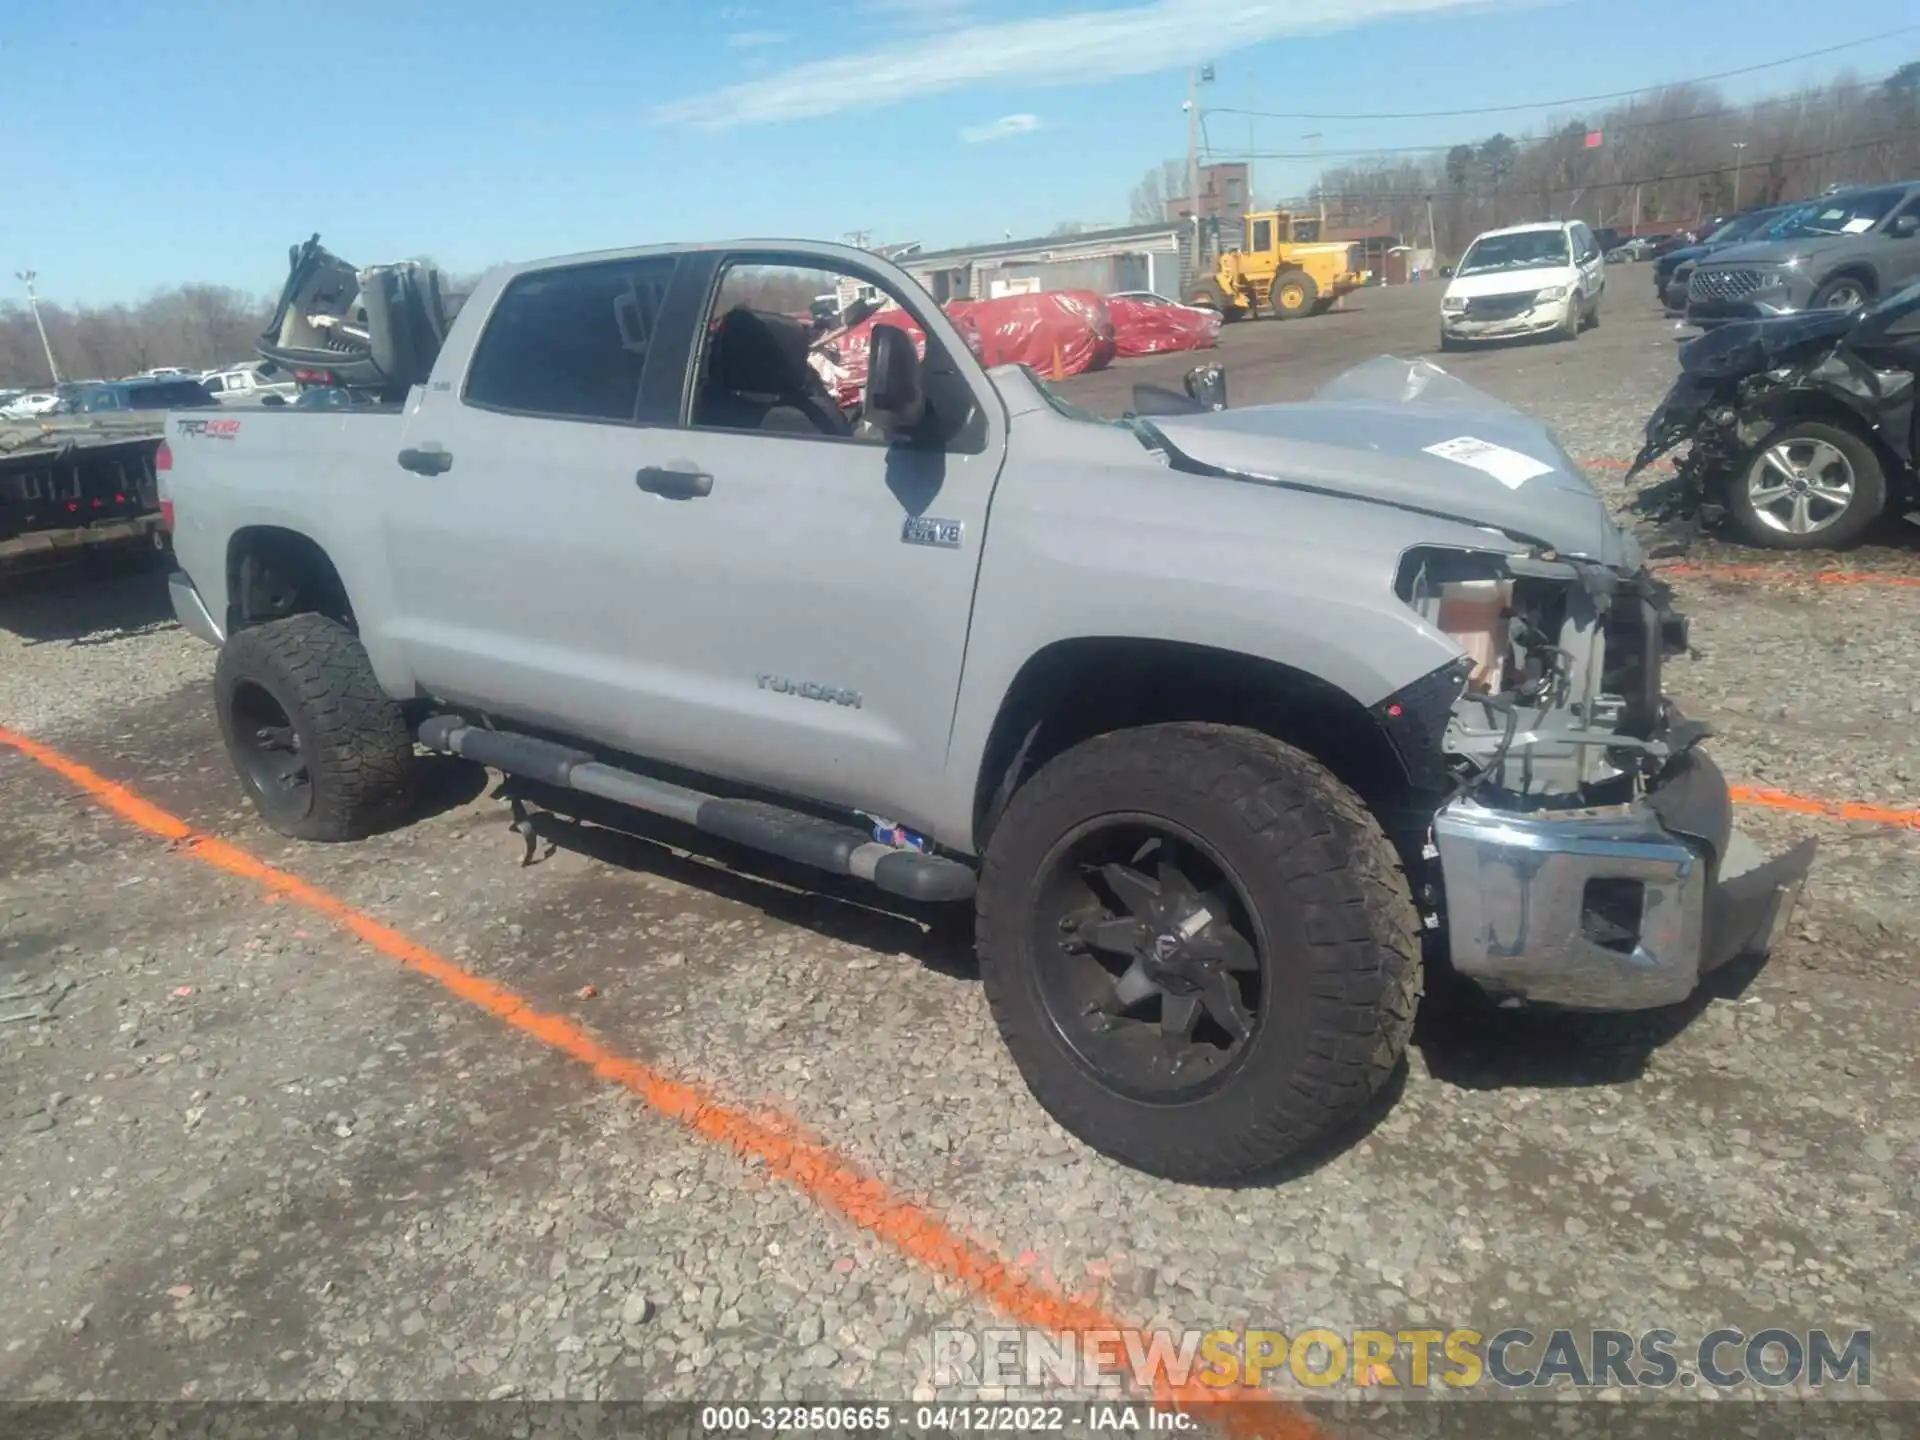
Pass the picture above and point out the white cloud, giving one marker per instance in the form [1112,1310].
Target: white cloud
[754,39]
[1071,49]
[1003,128]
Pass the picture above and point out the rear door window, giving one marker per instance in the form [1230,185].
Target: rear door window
[572,343]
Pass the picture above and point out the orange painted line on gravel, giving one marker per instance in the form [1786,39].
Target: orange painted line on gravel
[1766,574]
[832,1182]
[1826,809]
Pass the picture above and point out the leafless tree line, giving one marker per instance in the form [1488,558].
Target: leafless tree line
[195,326]
[1668,158]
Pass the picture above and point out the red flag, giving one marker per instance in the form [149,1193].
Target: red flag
[1594,138]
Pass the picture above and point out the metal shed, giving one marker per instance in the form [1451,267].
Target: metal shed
[1133,257]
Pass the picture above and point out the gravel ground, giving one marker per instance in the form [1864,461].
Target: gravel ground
[249,1156]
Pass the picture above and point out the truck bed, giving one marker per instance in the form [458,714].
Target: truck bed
[258,467]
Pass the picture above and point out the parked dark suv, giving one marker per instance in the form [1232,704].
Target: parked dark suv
[165,394]
[1673,269]
[1842,250]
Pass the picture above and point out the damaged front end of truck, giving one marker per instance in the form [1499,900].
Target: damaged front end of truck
[1581,850]
[1586,846]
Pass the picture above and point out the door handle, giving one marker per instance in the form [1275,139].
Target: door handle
[674,484]
[426,460]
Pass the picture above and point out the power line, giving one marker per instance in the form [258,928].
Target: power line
[1361,152]
[1573,99]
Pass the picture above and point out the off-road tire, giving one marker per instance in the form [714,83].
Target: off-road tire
[1854,523]
[1284,281]
[1337,932]
[1450,345]
[352,735]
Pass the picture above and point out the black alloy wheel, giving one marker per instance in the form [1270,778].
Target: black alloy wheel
[269,752]
[1156,981]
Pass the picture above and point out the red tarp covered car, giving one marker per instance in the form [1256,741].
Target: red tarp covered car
[1058,333]
[1154,327]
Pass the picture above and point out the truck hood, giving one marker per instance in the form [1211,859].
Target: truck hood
[1408,434]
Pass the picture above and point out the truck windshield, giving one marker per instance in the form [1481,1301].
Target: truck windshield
[1522,251]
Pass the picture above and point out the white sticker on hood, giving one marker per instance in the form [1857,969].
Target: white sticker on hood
[1510,467]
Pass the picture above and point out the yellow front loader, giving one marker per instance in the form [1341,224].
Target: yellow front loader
[1275,274]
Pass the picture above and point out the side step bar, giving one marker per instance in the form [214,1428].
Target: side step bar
[805,839]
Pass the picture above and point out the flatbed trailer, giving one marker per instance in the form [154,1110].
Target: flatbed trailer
[74,483]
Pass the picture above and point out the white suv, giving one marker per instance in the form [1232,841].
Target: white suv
[1524,280]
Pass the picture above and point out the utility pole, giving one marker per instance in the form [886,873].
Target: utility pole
[1433,239]
[1319,189]
[26,277]
[1252,150]
[1193,161]
[1738,146]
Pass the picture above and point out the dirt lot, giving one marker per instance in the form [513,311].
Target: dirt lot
[263,1150]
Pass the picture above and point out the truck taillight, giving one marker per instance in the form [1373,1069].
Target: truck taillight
[166,516]
[314,377]
[163,458]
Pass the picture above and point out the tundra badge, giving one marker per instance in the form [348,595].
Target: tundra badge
[925,530]
[809,689]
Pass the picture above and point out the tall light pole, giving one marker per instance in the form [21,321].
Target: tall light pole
[26,278]
[1738,146]
[1321,190]
[1201,74]
[1193,163]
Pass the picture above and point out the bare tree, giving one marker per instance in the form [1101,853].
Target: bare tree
[1667,158]
[195,326]
[1160,186]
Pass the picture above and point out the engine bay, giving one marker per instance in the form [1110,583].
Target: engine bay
[1561,704]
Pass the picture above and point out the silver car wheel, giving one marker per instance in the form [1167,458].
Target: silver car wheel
[1800,487]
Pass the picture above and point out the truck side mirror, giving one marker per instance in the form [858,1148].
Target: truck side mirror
[896,400]
[1905,226]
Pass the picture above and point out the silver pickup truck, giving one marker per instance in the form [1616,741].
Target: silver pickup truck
[1230,723]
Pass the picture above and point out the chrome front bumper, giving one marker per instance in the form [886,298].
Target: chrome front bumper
[1618,908]
[191,611]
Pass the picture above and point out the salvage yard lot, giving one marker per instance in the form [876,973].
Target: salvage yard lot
[252,1154]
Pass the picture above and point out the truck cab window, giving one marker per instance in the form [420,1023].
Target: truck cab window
[571,342]
[786,351]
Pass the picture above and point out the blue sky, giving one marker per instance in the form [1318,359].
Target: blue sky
[197,139]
